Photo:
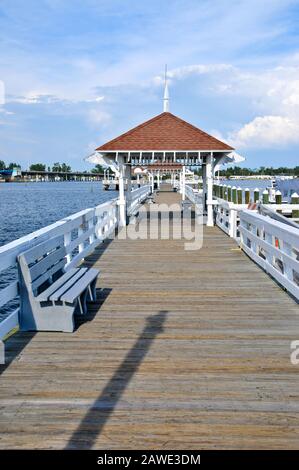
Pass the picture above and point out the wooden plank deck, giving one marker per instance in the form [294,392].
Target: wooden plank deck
[184,349]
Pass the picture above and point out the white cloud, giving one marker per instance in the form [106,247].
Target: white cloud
[45,98]
[271,95]
[35,97]
[267,131]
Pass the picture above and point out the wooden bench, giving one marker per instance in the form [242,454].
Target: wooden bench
[50,296]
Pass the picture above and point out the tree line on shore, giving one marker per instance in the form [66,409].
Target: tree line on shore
[56,167]
[230,171]
[262,170]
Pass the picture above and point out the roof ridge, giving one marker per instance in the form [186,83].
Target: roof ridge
[192,126]
[133,129]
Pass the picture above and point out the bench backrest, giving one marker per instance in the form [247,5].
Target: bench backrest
[42,264]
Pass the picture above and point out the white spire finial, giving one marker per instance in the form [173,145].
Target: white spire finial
[166,94]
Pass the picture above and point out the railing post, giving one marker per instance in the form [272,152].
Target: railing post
[265,196]
[256,195]
[92,235]
[278,200]
[239,195]
[229,193]
[67,240]
[247,196]
[234,194]
[278,197]
[232,223]
[295,200]
[225,192]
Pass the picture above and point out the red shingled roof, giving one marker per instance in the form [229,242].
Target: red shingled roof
[165,132]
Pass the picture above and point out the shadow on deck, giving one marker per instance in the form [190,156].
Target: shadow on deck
[95,419]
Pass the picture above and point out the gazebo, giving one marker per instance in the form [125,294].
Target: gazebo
[167,142]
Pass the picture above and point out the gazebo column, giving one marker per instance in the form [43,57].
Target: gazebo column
[152,181]
[129,186]
[122,198]
[204,186]
[209,179]
[184,183]
[180,179]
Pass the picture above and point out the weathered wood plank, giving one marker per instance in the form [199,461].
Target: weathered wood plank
[182,350]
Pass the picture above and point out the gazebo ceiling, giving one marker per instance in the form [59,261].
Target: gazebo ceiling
[165,132]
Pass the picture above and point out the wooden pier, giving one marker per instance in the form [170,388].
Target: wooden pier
[183,350]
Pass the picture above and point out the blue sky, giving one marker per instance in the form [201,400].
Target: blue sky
[76,74]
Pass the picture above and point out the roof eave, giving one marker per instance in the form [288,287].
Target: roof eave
[99,149]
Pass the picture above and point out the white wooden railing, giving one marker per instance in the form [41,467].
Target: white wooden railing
[82,232]
[137,197]
[194,195]
[227,217]
[274,246]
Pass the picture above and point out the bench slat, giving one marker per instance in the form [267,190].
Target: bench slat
[44,264]
[40,280]
[44,296]
[68,285]
[31,255]
[80,286]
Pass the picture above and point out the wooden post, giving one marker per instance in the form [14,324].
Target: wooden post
[239,195]
[265,196]
[129,185]
[278,200]
[256,195]
[247,196]
[295,200]
[229,193]
[225,192]
[278,197]
[234,194]
[233,223]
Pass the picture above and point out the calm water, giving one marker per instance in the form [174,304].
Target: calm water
[26,207]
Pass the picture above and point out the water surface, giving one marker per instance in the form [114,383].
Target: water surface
[26,207]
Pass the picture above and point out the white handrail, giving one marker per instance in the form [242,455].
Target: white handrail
[137,197]
[274,246]
[227,217]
